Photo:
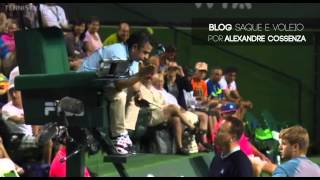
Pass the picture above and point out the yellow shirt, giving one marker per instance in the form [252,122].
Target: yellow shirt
[112,39]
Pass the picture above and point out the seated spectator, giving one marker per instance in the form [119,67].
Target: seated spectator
[6,164]
[121,36]
[294,143]
[53,15]
[8,47]
[3,22]
[30,16]
[168,56]
[162,112]
[231,92]
[214,89]
[231,161]
[92,40]
[75,44]
[199,86]
[158,83]
[8,41]
[175,85]
[13,116]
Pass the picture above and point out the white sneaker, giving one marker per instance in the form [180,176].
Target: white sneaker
[127,140]
[121,145]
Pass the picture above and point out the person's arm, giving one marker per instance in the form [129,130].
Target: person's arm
[75,63]
[125,83]
[6,155]
[228,96]
[16,119]
[236,94]
[256,152]
[63,22]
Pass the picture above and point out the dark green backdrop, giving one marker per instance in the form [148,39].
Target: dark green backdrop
[268,90]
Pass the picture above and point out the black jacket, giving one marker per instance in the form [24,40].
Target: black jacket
[182,84]
[236,164]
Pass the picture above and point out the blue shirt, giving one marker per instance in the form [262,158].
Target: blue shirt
[297,167]
[118,51]
[214,89]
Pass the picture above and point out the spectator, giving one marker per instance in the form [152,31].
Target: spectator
[30,16]
[3,22]
[137,49]
[214,89]
[158,83]
[8,47]
[231,162]
[75,44]
[121,36]
[13,116]
[53,15]
[229,86]
[199,86]
[162,112]
[294,144]
[168,56]
[176,84]
[6,164]
[8,38]
[92,40]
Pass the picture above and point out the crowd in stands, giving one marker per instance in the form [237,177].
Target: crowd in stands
[198,108]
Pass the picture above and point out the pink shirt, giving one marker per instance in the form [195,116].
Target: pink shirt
[93,42]
[244,143]
[58,169]
[9,41]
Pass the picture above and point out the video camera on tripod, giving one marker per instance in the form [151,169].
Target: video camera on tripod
[85,139]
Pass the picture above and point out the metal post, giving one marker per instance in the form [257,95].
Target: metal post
[76,162]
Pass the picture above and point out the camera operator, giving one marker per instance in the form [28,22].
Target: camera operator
[136,50]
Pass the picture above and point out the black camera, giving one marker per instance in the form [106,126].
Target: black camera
[114,69]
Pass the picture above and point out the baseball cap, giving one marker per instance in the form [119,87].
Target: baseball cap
[201,66]
[4,84]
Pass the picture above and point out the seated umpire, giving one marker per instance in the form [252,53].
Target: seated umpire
[136,50]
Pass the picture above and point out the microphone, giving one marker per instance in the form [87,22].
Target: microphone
[71,105]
